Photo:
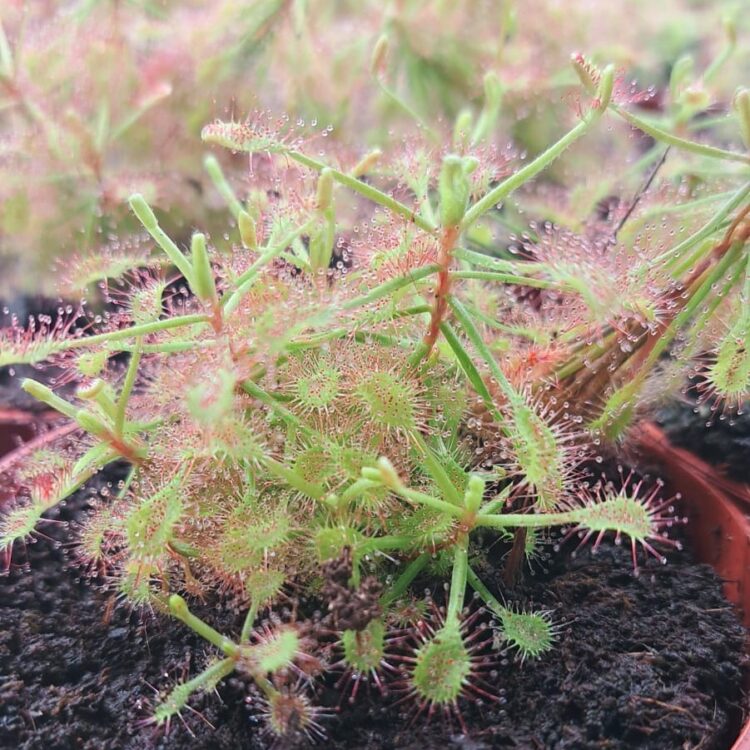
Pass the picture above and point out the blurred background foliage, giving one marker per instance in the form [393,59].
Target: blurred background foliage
[100,98]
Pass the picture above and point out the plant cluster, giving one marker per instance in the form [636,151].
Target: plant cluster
[356,390]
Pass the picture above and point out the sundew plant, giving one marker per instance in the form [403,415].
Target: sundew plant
[364,389]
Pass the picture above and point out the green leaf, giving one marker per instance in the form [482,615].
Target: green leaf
[206,681]
[531,633]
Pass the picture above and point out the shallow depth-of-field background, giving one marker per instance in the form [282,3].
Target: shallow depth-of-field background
[100,98]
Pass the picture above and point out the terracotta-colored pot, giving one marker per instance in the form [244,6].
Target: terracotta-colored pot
[719,525]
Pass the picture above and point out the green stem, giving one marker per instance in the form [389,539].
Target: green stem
[437,472]
[358,488]
[458,582]
[247,625]
[168,347]
[527,520]
[505,278]
[659,209]
[106,404]
[496,503]
[293,479]
[492,602]
[263,396]
[360,336]
[499,264]
[230,301]
[526,333]
[211,675]
[505,188]
[132,332]
[588,353]
[673,140]
[150,223]
[467,365]
[708,229]
[420,498]
[179,609]
[126,484]
[368,191]
[402,583]
[215,172]
[127,388]
[45,394]
[384,543]
[682,265]
[413,310]
[396,99]
[476,339]
[393,285]
[132,118]
[717,63]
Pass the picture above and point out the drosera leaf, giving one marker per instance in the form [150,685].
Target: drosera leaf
[35,343]
[146,302]
[437,472]
[26,353]
[273,650]
[97,267]
[176,700]
[18,525]
[728,375]
[255,138]
[249,535]
[364,650]
[45,490]
[531,633]
[250,137]
[150,523]
[264,585]
[625,513]
[540,456]
[442,667]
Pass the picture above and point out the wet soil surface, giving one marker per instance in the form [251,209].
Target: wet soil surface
[721,438]
[650,662]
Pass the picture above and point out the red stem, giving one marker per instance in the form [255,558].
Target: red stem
[445,256]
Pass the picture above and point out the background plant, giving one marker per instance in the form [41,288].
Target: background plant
[74,146]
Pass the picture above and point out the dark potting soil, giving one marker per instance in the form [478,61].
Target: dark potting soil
[650,662]
[722,439]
